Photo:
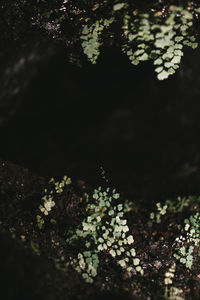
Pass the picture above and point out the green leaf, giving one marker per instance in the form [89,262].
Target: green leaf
[163,75]
[102,203]
[120,214]
[130,239]
[170,49]
[87,253]
[168,65]
[184,27]
[135,62]
[105,235]
[141,46]
[129,52]
[87,244]
[89,219]
[138,52]
[186,42]
[123,222]
[125,228]
[161,43]
[100,240]
[133,253]
[194,45]
[120,243]
[131,36]
[85,275]
[178,39]
[95,196]
[157,70]
[183,260]
[136,261]
[111,212]
[112,253]
[171,71]
[105,246]
[118,252]
[158,61]
[116,196]
[138,268]
[126,259]
[143,57]
[178,46]
[122,263]
[88,260]
[118,6]
[176,59]
[189,258]
[119,207]
[107,203]
[98,218]
[100,247]
[178,52]
[175,67]
[177,26]
[85,30]
[109,243]
[182,250]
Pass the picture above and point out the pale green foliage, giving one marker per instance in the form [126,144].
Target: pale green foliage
[161,42]
[90,38]
[47,200]
[58,186]
[179,204]
[190,238]
[48,204]
[169,275]
[184,255]
[173,293]
[104,230]
[161,210]
[147,37]
[185,245]
[40,221]
[192,226]
[119,6]
[130,206]
[172,206]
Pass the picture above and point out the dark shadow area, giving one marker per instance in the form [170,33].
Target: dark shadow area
[145,133]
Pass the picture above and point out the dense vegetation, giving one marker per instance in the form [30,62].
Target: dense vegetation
[109,242]
[157,31]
